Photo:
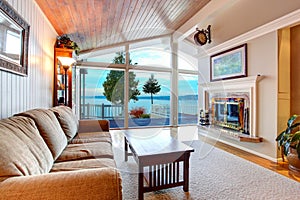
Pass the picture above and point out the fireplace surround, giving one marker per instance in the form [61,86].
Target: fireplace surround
[233,105]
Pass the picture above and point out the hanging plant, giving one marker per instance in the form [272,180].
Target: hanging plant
[64,41]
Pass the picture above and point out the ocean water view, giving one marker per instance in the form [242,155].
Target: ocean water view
[187,104]
[100,107]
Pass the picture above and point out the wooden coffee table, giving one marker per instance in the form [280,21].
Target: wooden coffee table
[162,160]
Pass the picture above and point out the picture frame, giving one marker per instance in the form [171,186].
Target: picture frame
[229,64]
[14,40]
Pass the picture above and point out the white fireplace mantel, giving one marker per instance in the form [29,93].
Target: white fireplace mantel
[240,85]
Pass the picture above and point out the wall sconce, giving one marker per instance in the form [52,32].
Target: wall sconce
[201,37]
[66,63]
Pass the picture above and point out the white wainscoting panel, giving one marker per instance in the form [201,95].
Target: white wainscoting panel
[20,93]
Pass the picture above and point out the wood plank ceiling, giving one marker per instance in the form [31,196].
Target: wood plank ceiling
[98,23]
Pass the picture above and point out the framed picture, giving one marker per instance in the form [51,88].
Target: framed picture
[229,64]
[13,41]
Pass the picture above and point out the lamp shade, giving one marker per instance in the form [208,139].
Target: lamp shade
[66,62]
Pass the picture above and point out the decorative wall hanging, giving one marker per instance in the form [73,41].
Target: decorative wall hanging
[13,41]
[229,64]
[202,37]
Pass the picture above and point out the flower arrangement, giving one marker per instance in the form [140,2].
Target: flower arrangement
[138,113]
[64,41]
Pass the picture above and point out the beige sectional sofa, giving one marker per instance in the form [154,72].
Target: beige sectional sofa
[49,154]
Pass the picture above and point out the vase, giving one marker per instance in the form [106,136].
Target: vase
[293,159]
[142,121]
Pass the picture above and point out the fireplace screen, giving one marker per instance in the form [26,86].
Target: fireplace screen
[229,113]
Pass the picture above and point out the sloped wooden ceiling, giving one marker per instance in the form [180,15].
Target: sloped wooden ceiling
[98,23]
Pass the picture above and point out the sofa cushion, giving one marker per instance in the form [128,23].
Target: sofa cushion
[49,129]
[67,120]
[83,164]
[86,151]
[94,126]
[91,137]
[23,150]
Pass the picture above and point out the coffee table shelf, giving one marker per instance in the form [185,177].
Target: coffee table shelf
[162,160]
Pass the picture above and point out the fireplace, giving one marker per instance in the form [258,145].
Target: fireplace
[230,113]
[233,106]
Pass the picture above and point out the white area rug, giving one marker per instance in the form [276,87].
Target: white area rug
[215,174]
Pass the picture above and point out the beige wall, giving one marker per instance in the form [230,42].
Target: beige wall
[240,18]
[262,54]
[262,59]
[18,93]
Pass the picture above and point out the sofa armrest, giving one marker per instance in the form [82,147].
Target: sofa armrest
[93,126]
[104,183]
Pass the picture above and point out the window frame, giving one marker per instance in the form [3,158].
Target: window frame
[127,68]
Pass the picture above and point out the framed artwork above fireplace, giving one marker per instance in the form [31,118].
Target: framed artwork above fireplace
[229,64]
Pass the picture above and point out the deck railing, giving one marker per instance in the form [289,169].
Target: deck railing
[106,111]
[103,111]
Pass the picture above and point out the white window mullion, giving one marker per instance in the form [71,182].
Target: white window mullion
[174,84]
[126,87]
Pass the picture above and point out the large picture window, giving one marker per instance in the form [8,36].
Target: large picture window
[152,107]
[100,99]
[153,53]
[103,56]
[137,92]
[187,99]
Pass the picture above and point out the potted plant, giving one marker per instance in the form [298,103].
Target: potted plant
[289,143]
[139,116]
[64,41]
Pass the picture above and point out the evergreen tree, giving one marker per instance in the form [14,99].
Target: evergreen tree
[151,87]
[120,58]
[114,83]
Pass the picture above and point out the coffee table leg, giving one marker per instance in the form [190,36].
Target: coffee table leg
[141,182]
[126,150]
[186,172]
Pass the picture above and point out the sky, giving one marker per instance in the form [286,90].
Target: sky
[154,57]
[187,84]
